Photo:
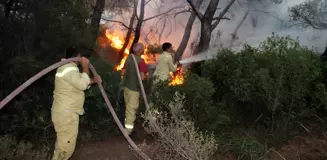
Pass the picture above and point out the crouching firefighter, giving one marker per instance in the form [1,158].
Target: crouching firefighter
[68,103]
[132,86]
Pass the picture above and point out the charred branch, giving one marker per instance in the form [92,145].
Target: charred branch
[138,25]
[186,11]
[161,14]
[136,2]
[97,11]
[121,23]
[127,38]
[223,18]
[187,33]
[195,9]
[234,34]
[222,14]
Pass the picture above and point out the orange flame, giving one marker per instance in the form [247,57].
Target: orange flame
[177,78]
[117,42]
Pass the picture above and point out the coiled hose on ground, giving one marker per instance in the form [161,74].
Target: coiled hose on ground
[112,111]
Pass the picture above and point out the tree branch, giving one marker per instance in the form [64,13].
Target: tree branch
[222,14]
[121,23]
[147,2]
[176,14]
[217,18]
[136,2]
[161,14]
[195,10]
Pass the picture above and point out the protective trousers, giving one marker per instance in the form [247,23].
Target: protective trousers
[66,126]
[120,102]
[132,104]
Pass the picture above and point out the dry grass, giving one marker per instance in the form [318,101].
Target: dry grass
[175,136]
[11,150]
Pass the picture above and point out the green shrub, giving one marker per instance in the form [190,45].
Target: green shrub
[280,81]
[10,149]
[247,148]
[198,101]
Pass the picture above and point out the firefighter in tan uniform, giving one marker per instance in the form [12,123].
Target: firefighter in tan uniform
[68,103]
[131,85]
[165,64]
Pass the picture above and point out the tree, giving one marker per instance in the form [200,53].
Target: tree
[140,21]
[97,12]
[187,32]
[310,14]
[31,26]
[208,21]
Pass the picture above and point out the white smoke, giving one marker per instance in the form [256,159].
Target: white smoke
[270,18]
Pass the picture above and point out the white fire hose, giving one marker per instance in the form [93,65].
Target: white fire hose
[56,65]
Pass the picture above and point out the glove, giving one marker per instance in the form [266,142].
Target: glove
[179,64]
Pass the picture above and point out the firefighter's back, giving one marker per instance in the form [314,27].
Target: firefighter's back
[66,96]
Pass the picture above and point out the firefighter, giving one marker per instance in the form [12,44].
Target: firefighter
[131,85]
[165,64]
[68,103]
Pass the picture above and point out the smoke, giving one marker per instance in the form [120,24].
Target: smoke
[264,19]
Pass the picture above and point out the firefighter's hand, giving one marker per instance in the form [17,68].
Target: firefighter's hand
[179,64]
[85,62]
[97,79]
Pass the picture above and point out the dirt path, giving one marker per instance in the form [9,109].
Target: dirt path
[116,148]
[112,149]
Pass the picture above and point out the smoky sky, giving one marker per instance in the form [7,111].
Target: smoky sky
[264,18]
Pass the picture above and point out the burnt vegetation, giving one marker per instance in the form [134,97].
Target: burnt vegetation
[266,102]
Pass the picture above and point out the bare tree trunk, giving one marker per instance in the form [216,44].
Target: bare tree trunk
[8,7]
[38,25]
[208,16]
[138,25]
[97,12]
[128,37]
[186,37]
[206,22]
[187,33]
[96,16]
[162,31]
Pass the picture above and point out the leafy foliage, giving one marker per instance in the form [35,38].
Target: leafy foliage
[309,14]
[279,82]
[199,106]
[46,27]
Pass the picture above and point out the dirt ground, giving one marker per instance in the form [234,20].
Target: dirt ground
[112,149]
[299,148]
[116,148]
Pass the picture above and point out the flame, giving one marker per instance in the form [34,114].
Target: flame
[116,41]
[177,78]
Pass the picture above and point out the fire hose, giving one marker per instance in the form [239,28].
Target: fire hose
[112,111]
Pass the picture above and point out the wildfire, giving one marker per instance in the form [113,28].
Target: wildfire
[117,42]
[177,78]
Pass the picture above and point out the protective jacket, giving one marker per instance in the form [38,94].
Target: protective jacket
[69,89]
[164,66]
